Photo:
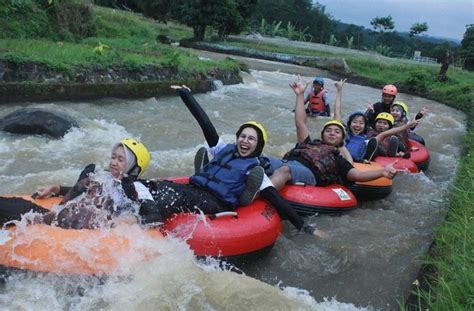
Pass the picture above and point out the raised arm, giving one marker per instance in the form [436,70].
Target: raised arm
[396,130]
[302,131]
[338,105]
[199,114]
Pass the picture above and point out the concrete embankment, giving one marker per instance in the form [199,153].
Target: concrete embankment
[37,82]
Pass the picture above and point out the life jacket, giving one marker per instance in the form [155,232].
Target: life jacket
[321,158]
[316,103]
[226,175]
[356,146]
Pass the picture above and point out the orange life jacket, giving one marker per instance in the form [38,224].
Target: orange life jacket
[316,103]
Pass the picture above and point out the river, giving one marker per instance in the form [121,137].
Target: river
[369,260]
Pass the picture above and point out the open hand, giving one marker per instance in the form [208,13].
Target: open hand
[370,106]
[425,111]
[340,84]
[299,86]
[176,87]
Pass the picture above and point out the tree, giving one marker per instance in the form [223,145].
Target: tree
[161,10]
[302,14]
[227,16]
[232,22]
[418,28]
[351,31]
[382,23]
[448,58]
[467,48]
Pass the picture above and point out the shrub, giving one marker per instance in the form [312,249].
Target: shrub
[418,81]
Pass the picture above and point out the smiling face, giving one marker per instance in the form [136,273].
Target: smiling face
[332,135]
[387,99]
[247,141]
[357,125]
[382,125]
[317,87]
[118,162]
[396,111]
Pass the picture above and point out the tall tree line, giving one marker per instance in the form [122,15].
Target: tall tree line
[234,16]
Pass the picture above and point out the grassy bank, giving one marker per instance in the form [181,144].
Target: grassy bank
[117,39]
[452,255]
[450,264]
[457,92]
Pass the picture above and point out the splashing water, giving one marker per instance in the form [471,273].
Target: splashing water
[369,259]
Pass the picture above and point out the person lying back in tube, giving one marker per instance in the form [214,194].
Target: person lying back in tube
[319,162]
[231,179]
[98,198]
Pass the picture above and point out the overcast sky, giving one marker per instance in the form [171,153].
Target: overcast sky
[445,18]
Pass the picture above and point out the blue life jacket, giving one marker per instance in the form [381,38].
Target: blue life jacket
[226,175]
[356,146]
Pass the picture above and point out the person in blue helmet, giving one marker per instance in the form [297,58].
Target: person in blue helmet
[317,99]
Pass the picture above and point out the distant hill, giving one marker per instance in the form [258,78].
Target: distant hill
[435,40]
[342,27]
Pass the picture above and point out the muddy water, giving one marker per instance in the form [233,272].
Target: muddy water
[371,255]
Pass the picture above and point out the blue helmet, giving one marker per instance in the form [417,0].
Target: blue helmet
[319,81]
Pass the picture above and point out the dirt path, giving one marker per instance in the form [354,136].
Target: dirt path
[266,65]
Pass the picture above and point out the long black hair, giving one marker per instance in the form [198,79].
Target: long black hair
[353,116]
[260,142]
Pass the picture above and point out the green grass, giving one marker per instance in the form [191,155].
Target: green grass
[452,257]
[457,92]
[130,39]
[268,47]
[121,24]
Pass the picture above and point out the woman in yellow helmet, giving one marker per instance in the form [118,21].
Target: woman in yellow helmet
[318,162]
[231,179]
[399,111]
[384,131]
[97,197]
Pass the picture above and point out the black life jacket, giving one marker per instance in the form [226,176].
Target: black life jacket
[321,158]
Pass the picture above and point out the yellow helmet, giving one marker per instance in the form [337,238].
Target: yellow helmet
[337,123]
[141,153]
[403,105]
[260,127]
[385,116]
